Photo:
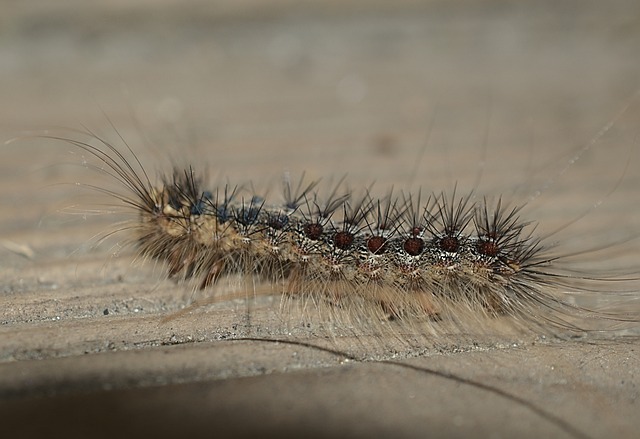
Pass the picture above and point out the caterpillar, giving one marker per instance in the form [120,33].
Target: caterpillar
[419,266]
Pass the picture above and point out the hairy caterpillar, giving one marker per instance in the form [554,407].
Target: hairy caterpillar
[418,266]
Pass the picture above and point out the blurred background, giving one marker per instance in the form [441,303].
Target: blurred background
[348,86]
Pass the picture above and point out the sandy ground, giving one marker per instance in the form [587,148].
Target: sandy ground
[252,89]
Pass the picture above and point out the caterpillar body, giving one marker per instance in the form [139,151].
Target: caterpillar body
[416,265]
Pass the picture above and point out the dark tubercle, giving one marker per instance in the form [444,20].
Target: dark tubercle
[343,240]
[488,248]
[413,246]
[278,221]
[198,208]
[313,231]
[247,216]
[449,244]
[376,244]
